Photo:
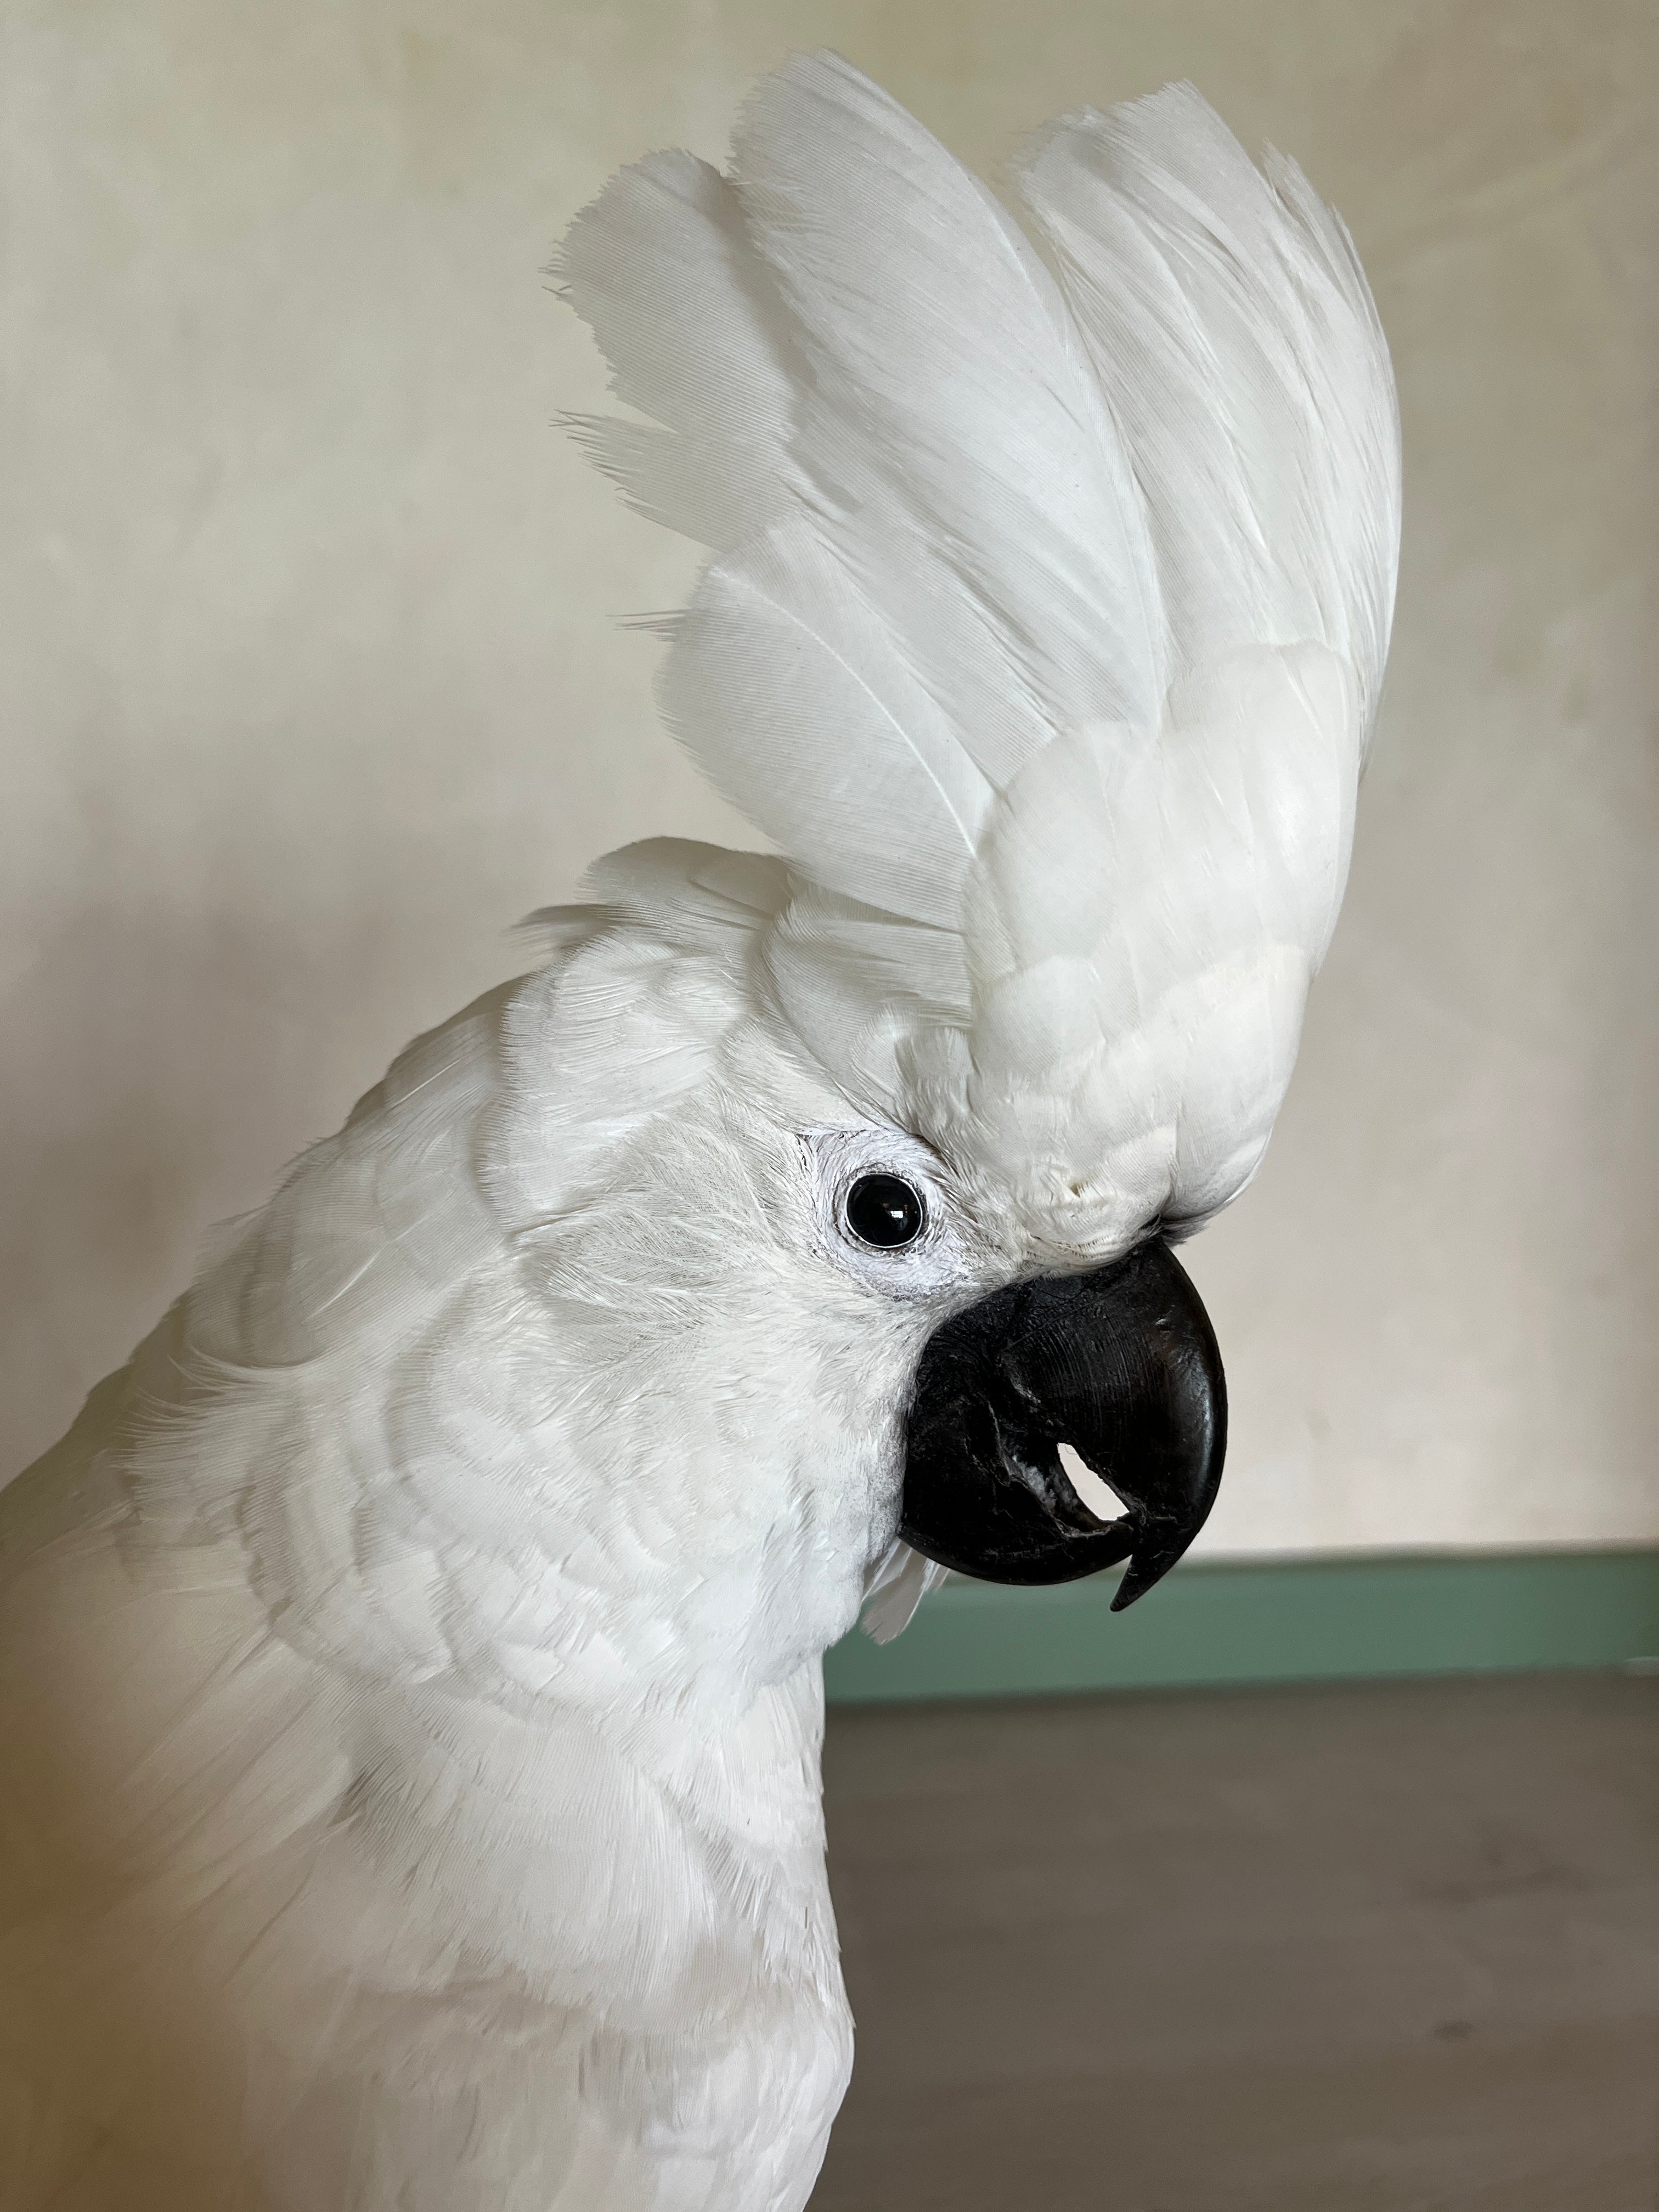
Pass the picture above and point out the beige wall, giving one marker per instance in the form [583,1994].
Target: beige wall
[312,686]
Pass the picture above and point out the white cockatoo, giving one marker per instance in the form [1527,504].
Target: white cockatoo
[410,1693]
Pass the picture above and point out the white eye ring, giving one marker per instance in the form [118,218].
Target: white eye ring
[882,1179]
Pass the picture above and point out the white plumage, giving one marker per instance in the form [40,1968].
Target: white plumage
[411,1697]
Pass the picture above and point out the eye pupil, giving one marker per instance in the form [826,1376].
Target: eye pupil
[884,1211]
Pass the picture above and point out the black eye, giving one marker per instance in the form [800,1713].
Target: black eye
[884,1210]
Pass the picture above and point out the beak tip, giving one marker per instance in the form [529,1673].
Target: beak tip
[1148,1565]
[1129,1590]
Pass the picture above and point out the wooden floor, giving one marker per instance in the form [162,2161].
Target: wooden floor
[1373,1949]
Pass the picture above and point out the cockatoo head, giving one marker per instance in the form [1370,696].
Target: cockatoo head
[1051,565]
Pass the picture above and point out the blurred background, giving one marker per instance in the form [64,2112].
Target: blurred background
[315,683]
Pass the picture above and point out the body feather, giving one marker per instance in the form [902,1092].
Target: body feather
[330,1694]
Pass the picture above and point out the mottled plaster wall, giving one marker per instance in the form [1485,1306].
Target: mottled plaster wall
[312,685]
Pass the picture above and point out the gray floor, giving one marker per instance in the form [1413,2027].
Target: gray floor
[1372,1949]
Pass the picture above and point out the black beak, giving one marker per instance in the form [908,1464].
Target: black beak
[1120,1365]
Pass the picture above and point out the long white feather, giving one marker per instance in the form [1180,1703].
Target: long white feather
[1227,315]
[1046,615]
[928,546]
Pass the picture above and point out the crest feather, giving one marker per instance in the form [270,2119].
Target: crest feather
[1048,596]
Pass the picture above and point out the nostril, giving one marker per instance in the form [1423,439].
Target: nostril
[1102,1500]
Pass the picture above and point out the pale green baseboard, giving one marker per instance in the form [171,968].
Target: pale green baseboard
[1269,1621]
